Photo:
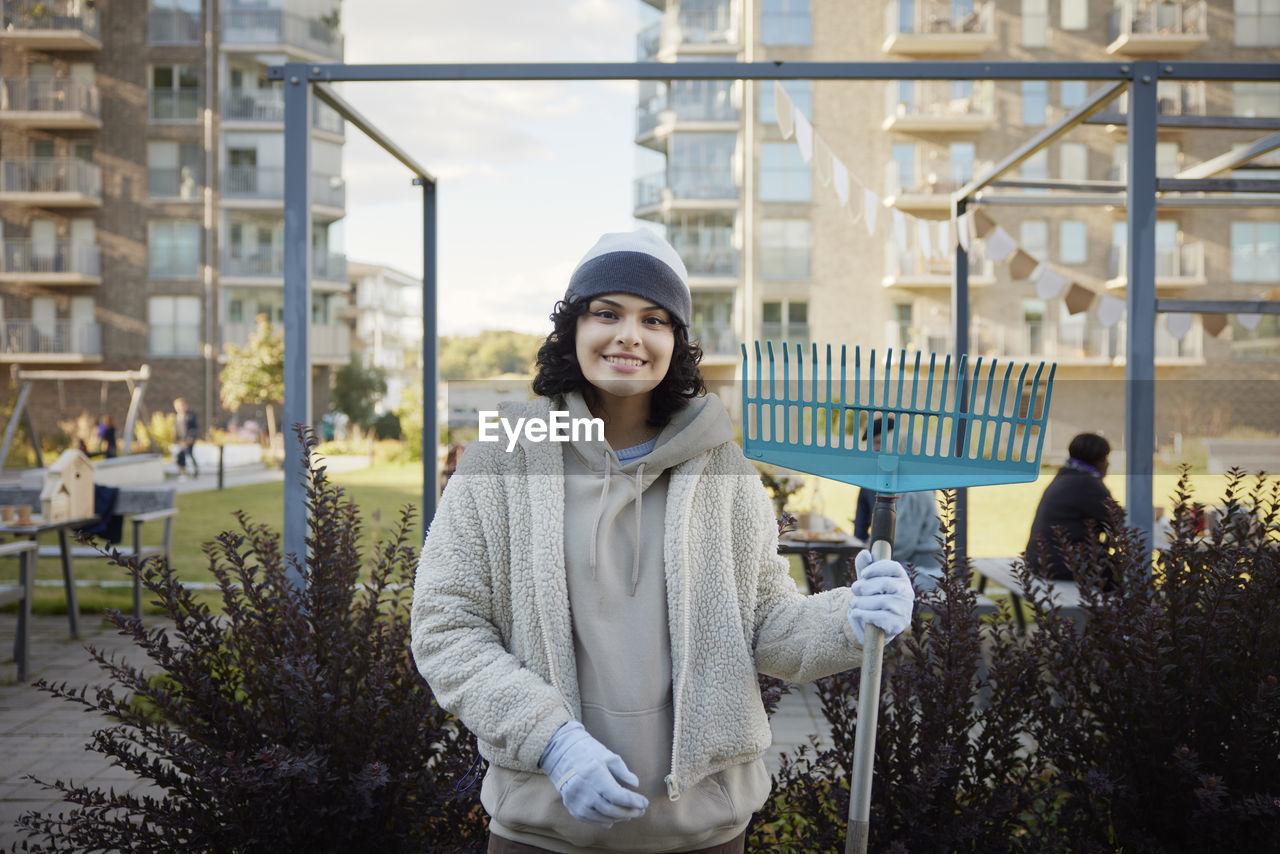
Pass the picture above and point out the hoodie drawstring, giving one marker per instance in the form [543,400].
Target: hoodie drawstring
[595,525]
[635,560]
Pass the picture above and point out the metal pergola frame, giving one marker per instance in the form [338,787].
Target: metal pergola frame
[1138,78]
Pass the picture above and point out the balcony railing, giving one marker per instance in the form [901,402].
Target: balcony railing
[329,341]
[785,262]
[791,333]
[922,27]
[239,261]
[173,26]
[63,256]
[914,268]
[716,339]
[173,105]
[710,260]
[51,175]
[688,27]
[253,105]
[57,95]
[1182,262]
[1173,99]
[1164,28]
[689,101]
[267,183]
[61,337]
[35,16]
[170,183]
[276,27]
[935,105]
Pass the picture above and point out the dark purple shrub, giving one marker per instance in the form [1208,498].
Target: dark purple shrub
[293,721]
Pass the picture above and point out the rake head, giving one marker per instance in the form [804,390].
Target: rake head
[941,427]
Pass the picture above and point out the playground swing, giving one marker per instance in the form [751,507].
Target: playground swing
[135,382]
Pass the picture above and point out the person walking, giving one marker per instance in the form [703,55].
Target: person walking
[107,436]
[596,610]
[187,427]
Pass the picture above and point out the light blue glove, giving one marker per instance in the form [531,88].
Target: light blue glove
[882,596]
[588,776]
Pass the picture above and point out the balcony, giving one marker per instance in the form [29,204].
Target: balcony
[690,189]
[51,25]
[1178,267]
[51,182]
[933,109]
[710,260]
[173,26]
[705,30]
[790,333]
[256,29]
[268,264]
[263,187]
[918,28]
[266,106]
[173,105]
[54,104]
[912,270]
[57,342]
[686,105]
[932,194]
[61,262]
[1164,29]
[330,343]
[716,339]
[1172,99]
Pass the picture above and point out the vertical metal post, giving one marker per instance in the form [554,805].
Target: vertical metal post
[1140,297]
[430,356]
[960,336]
[297,303]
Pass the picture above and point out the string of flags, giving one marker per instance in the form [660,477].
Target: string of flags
[936,239]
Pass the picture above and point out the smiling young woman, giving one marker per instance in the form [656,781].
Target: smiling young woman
[596,610]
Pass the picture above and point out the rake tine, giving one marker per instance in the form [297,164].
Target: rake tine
[830,413]
[897,421]
[972,411]
[1014,422]
[942,408]
[999,414]
[871,393]
[958,405]
[813,396]
[759,394]
[915,389]
[986,408]
[857,395]
[773,393]
[844,411]
[929,407]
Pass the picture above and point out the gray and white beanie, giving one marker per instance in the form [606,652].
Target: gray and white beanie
[634,262]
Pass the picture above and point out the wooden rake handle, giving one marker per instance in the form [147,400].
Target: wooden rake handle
[883,520]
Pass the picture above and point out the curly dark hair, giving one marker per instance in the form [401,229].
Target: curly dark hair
[559,371]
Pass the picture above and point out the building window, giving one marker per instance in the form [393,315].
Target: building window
[1075,15]
[1255,100]
[173,170]
[785,246]
[173,22]
[174,93]
[1166,159]
[784,176]
[1255,251]
[1033,326]
[1072,92]
[1033,236]
[1036,168]
[1035,102]
[1073,242]
[1257,23]
[799,91]
[712,322]
[700,166]
[786,320]
[1035,23]
[1073,161]
[785,22]
[904,161]
[903,321]
[173,248]
[963,156]
[173,326]
[705,242]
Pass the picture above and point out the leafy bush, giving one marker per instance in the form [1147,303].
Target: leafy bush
[295,721]
[387,426]
[1151,728]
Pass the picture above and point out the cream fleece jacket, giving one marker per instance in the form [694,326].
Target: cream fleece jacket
[492,631]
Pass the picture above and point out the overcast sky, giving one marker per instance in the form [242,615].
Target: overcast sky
[529,173]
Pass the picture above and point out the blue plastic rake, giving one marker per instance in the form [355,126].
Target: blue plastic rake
[939,429]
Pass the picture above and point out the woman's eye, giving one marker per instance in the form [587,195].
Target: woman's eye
[604,314]
[655,321]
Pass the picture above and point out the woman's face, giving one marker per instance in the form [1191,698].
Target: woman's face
[624,344]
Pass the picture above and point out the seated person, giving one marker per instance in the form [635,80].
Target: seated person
[1075,501]
[916,528]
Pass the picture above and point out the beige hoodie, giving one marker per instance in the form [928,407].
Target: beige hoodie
[615,515]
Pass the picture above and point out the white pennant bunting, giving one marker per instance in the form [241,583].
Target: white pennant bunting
[1000,245]
[1109,310]
[924,238]
[1249,321]
[946,240]
[870,208]
[964,230]
[900,229]
[804,136]
[784,109]
[840,179]
[1050,283]
[1178,323]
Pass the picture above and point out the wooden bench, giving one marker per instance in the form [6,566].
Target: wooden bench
[24,551]
[1065,594]
[140,505]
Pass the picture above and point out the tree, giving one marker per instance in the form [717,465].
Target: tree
[488,354]
[254,373]
[356,389]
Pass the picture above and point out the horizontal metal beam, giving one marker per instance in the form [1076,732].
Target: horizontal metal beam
[1234,71]
[1218,185]
[1091,105]
[923,70]
[1218,306]
[327,94]
[1062,184]
[1189,122]
[1118,200]
[1231,159]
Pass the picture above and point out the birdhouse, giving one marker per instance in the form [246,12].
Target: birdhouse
[68,488]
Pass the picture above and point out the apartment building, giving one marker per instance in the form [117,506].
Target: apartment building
[773,254]
[142,193]
[384,308]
